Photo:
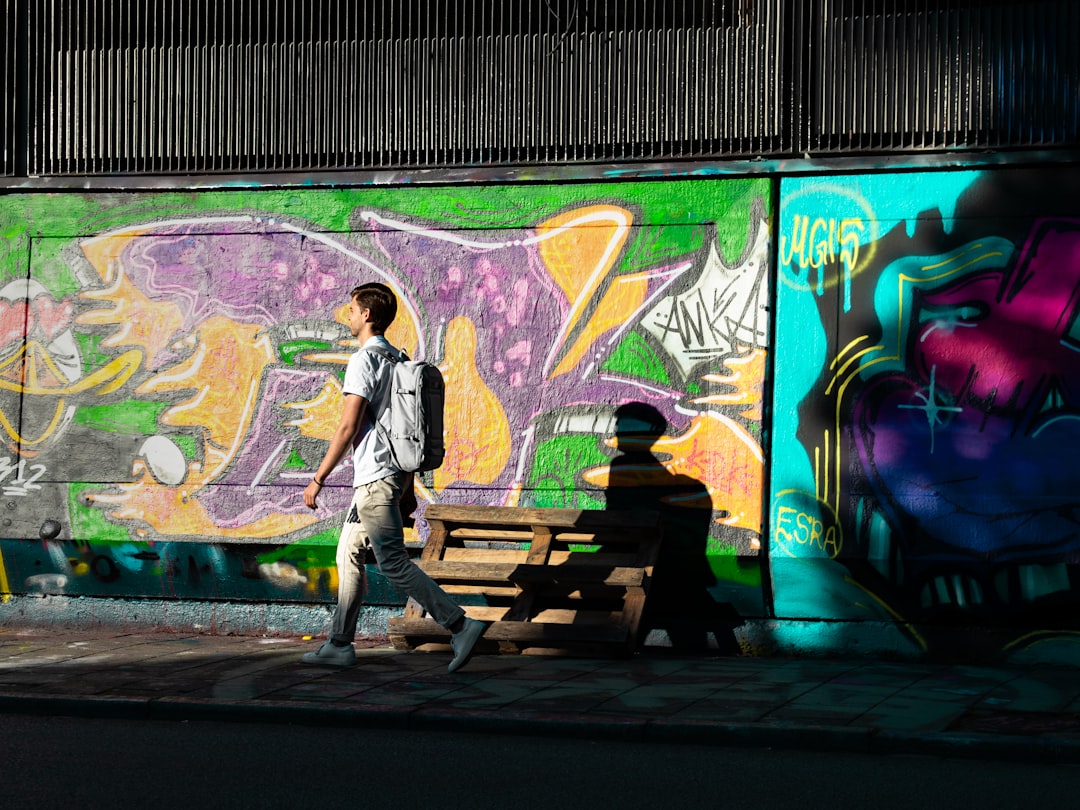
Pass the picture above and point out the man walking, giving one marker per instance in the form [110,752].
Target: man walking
[375,518]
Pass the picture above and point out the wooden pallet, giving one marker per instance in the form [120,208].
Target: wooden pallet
[550,581]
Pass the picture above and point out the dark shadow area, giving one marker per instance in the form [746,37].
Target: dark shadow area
[679,601]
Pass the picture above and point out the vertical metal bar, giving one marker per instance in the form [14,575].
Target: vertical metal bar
[1071,71]
[28,72]
[71,76]
[126,95]
[167,122]
[103,99]
[168,92]
[70,131]
[362,121]
[213,85]
[310,97]
[46,121]
[544,89]
[542,118]
[676,56]
[87,89]
[11,32]
[974,71]
[336,40]
[286,87]
[349,112]
[619,55]
[8,88]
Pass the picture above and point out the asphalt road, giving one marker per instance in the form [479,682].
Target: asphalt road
[60,762]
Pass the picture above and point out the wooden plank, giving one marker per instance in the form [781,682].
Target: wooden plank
[556,518]
[486,555]
[541,544]
[554,616]
[433,548]
[564,575]
[461,571]
[527,633]
[413,609]
[492,535]
[614,534]
[501,592]
[443,570]
[539,550]
[628,558]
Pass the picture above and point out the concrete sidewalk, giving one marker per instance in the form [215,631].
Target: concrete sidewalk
[1015,713]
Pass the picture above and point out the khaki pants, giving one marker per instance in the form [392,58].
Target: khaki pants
[374,521]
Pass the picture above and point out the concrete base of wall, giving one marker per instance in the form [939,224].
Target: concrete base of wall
[221,618]
[902,642]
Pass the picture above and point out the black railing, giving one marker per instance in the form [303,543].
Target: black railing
[168,86]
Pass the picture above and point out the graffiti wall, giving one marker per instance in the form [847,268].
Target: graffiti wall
[928,404]
[171,366]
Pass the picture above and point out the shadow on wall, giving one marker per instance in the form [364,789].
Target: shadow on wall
[679,602]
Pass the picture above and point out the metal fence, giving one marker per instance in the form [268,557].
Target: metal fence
[171,86]
[913,74]
[9,78]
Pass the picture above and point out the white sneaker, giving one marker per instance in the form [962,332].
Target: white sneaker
[329,655]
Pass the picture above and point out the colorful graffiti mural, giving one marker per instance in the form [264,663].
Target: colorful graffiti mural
[926,387]
[171,368]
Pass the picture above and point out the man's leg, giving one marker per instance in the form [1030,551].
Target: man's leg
[352,577]
[377,504]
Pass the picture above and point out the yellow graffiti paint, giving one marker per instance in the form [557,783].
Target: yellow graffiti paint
[625,295]
[477,431]
[579,249]
[222,377]
[32,370]
[148,325]
[814,242]
[172,511]
[320,415]
[805,526]
[5,587]
[746,377]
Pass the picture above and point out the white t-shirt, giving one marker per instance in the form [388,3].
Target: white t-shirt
[368,375]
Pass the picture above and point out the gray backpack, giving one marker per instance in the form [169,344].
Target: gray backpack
[412,419]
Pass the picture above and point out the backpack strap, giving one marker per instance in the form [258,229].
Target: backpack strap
[389,355]
[384,434]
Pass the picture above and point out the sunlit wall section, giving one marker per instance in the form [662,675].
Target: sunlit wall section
[172,369]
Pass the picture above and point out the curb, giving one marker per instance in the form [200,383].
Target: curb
[840,739]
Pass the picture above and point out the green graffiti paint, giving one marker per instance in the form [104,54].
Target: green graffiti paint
[556,478]
[634,356]
[295,462]
[289,350]
[132,417]
[87,523]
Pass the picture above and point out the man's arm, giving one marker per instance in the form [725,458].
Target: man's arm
[352,415]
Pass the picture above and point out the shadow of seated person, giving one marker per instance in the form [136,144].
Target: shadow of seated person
[679,601]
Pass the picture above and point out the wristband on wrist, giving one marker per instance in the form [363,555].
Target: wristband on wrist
[317,481]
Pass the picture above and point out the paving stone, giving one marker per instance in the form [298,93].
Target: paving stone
[898,706]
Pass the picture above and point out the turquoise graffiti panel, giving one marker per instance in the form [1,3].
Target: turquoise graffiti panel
[927,392]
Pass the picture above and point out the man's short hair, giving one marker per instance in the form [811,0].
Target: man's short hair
[382,302]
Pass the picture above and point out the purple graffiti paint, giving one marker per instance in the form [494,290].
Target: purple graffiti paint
[975,447]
